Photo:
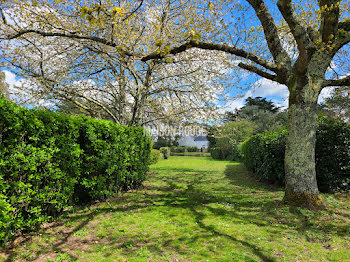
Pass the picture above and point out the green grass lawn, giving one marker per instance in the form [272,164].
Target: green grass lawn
[194,209]
[205,154]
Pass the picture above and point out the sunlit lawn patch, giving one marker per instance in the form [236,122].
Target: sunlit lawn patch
[195,209]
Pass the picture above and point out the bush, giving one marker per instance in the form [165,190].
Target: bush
[333,155]
[228,139]
[182,149]
[230,154]
[192,149]
[49,161]
[264,155]
[215,153]
[155,156]
[166,152]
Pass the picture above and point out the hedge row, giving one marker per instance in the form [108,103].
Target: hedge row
[182,149]
[199,154]
[233,154]
[264,155]
[155,156]
[49,161]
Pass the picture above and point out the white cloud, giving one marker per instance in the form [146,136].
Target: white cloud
[11,80]
[277,93]
[264,88]
[20,91]
[326,92]
[235,104]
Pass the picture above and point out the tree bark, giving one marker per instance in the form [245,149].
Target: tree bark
[300,169]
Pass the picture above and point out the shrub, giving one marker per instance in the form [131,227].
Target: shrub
[49,161]
[231,153]
[155,156]
[333,155]
[192,149]
[215,152]
[166,152]
[264,155]
[228,139]
[180,149]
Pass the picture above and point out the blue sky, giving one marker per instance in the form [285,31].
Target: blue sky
[258,86]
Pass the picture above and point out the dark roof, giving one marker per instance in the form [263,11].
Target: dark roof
[201,138]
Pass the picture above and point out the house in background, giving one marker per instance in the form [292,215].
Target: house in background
[201,142]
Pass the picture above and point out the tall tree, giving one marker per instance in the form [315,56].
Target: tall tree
[318,36]
[262,103]
[264,114]
[338,103]
[86,55]
[294,45]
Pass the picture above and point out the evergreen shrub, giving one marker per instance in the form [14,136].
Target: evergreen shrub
[50,161]
[264,155]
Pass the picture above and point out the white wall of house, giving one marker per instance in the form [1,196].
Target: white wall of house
[189,141]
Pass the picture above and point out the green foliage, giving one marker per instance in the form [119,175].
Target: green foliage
[191,201]
[210,137]
[264,120]
[191,149]
[264,114]
[337,105]
[161,142]
[262,103]
[155,156]
[166,152]
[229,137]
[165,142]
[177,149]
[182,149]
[49,161]
[257,116]
[264,155]
[333,155]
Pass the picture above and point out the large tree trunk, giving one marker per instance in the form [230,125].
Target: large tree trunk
[300,170]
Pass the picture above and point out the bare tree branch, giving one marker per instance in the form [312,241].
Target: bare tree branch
[341,40]
[134,11]
[100,105]
[258,71]
[164,117]
[271,33]
[219,47]
[329,19]
[3,17]
[338,82]
[299,31]
[71,35]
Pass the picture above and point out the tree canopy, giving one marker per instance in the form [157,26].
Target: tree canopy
[301,44]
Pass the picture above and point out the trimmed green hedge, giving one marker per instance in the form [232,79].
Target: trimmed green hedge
[264,155]
[182,149]
[233,154]
[155,156]
[49,161]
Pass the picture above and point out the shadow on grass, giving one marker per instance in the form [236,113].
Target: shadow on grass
[250,202]
[240,176]
[175,169]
